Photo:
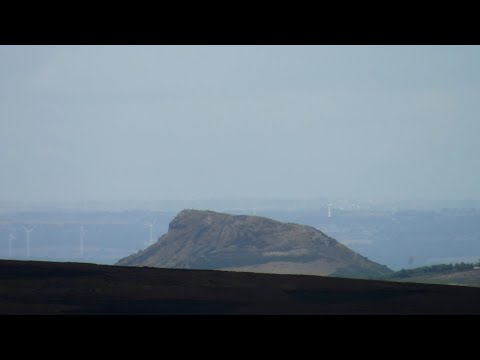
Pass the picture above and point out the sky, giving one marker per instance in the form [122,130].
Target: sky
[109,123]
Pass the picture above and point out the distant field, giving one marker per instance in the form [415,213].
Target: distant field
[464,278]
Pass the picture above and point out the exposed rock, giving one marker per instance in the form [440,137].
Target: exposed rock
[209,240]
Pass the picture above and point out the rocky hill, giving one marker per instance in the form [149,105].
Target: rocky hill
[209,240]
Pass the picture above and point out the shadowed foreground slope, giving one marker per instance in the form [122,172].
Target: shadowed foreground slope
[70,288]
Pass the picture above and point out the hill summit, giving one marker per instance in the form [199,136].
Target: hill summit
[202,239]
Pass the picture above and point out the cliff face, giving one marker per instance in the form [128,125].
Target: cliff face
[209,240]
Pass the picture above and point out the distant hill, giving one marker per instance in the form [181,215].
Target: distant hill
[210,240]
[34,287]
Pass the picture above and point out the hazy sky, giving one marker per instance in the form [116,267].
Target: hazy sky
[150,122]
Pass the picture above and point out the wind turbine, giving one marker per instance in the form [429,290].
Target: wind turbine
[329,210]
[27,236]
[150,225]
[83,231]
[11,236]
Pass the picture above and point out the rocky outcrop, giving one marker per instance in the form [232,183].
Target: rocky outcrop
[209,240]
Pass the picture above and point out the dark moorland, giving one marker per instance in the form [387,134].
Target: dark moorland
[75,288]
